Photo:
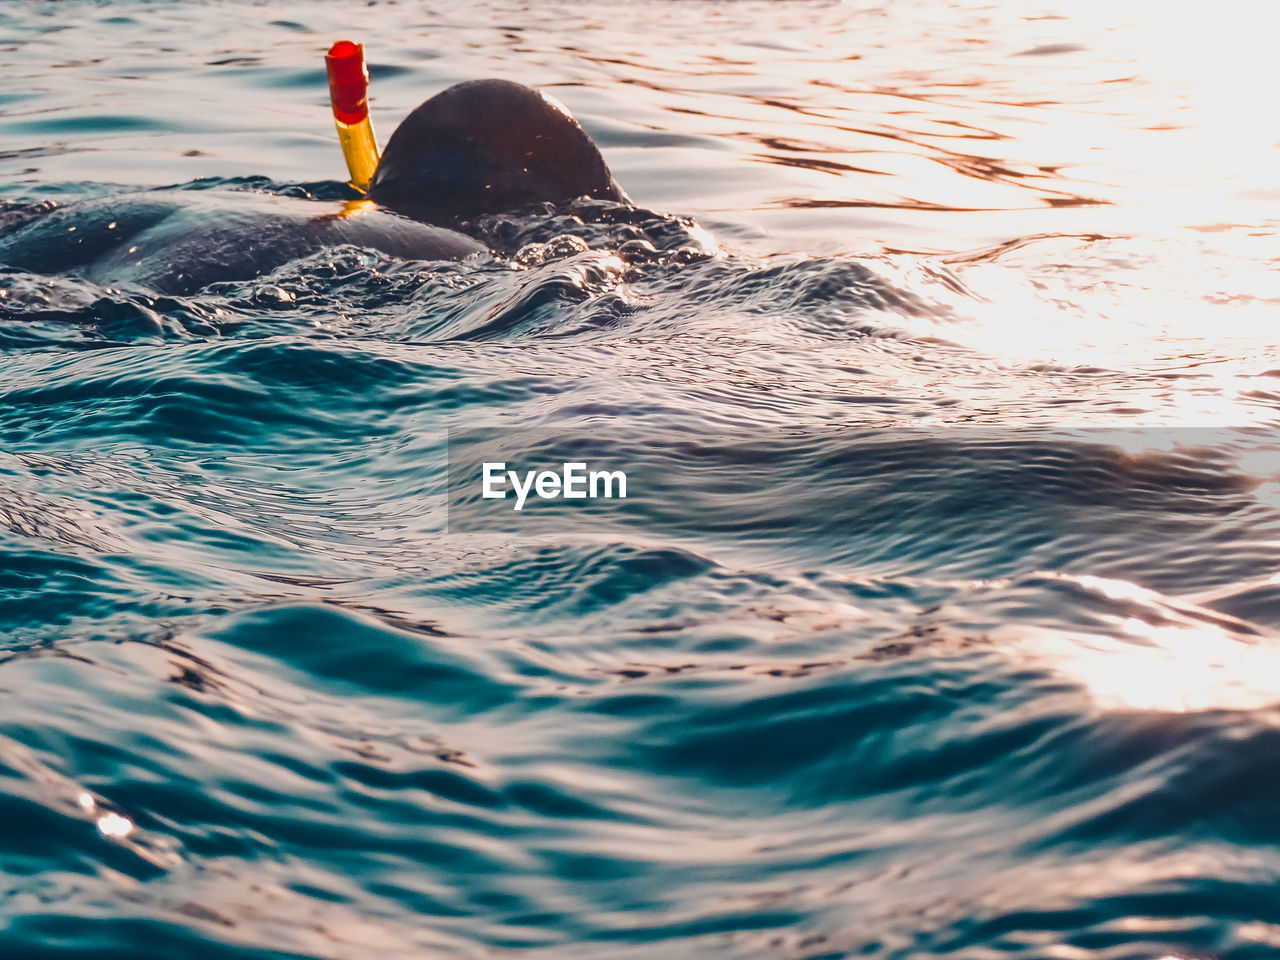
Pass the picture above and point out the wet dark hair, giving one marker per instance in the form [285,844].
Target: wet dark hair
[484,146]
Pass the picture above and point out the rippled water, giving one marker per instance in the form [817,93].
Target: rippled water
[943,620]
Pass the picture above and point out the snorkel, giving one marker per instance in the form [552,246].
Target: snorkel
[478,147]
[348,94]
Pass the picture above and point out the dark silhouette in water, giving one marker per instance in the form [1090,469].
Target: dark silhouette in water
[476,148]
[484,146]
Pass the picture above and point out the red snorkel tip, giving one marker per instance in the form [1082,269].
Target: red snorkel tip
[348,81]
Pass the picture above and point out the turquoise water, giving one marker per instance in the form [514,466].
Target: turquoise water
[941,619]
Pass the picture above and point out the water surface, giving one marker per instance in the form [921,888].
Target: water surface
[951,630]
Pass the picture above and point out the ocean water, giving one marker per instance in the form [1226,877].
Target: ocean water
[941,619]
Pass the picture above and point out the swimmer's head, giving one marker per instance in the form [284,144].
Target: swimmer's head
[484,146]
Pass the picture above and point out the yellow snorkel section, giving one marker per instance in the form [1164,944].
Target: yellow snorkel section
[349,95]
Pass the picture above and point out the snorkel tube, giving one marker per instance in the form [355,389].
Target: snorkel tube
[349,96]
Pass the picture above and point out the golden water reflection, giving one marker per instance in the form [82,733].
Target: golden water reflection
[1167,658]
